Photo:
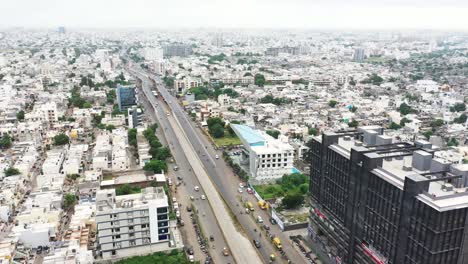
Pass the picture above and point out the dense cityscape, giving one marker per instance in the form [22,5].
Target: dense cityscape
[233,146]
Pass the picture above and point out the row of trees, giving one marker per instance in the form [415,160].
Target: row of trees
[269,99]
[158,153]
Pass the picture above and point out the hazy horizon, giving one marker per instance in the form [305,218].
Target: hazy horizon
[298,14]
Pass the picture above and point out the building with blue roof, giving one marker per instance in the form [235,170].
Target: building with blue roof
[266,158]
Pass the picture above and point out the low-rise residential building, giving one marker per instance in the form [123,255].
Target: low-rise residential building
[266,158]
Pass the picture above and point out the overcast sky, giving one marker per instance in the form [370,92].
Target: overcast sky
[339,14]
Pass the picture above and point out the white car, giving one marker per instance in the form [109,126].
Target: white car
[217,156]
[240,190]
[174,199]
[241,185]
[176,206]
[196,188]
[203,197]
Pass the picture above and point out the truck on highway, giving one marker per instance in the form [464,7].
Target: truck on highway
[277,243]
[250,206]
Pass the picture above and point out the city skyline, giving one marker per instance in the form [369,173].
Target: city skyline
[335,14]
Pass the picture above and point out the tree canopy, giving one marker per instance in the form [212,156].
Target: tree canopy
[61,139]
[156,166]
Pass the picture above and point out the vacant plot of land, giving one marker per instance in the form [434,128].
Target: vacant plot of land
[227,140]
[172,258]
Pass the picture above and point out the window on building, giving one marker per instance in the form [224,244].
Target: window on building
[163,237]
[113,252]
[132,242]
[130,228]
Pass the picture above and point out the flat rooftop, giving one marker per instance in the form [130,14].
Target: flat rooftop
[251,136]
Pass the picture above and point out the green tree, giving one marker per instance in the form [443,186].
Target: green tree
[5,141]
[353,123]
[259,79]
[427,134]
[132,137]
[461,119]
[459,107]
[217,131]
[404,121]
[110,128]
[453,142]
[437,123]
[11,171]
[394,126]
[87,105]
[292,200]
[405,109]
[156,166]
[332,103]
[162,153]
[20,115]
[61,139]
[69,200]
[313,131]
[273,133]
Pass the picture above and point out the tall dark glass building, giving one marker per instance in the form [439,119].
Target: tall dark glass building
[126,97]
[376,201]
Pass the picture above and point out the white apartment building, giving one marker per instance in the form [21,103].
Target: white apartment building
[54,161]
[182,85]
[153,54]
[72,164]
[101,152]
[120,160]
[266,158]
[224,100]
[134,224]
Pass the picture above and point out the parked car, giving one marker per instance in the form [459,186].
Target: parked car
[217,156]
[240,190]
[259,219]
[250,191]
[257,243]
[266,227]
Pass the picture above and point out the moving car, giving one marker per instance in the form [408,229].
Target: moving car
[217,156]
[259,219]
[240,190]
[176,168]
[225,252]
[203,197]
[196,188]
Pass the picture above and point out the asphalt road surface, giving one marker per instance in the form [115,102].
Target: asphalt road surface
[226,183]
[207,219]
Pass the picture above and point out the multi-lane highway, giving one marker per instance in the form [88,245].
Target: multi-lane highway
[221,175]
[238,245]
[184,191]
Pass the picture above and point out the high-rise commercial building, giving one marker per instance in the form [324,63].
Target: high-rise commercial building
[126,97]
[177,50]
[375,201]
[61,30]
[133,224]
[135,116]
[359,55]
